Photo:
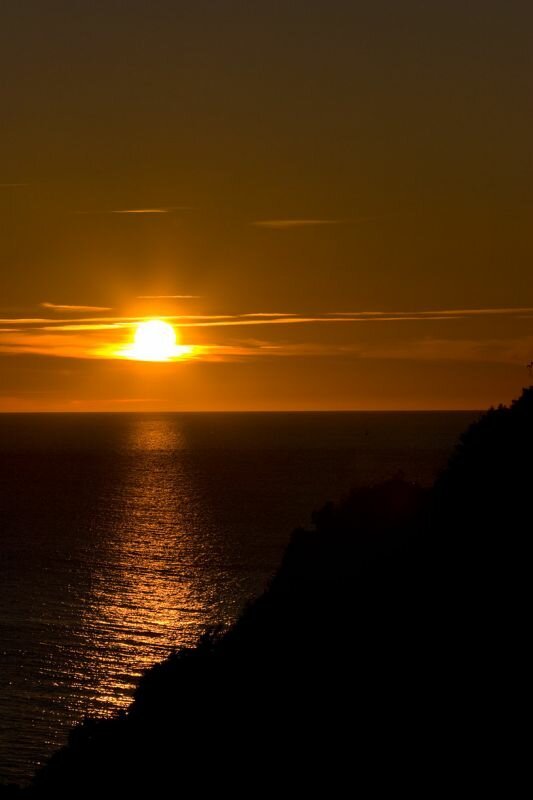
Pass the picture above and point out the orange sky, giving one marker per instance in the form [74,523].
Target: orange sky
[332,203]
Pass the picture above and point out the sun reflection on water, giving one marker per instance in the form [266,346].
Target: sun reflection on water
[150,588]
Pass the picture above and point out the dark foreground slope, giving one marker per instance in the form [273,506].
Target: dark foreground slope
[388,651]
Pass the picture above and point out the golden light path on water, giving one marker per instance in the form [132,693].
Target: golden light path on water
[152,586]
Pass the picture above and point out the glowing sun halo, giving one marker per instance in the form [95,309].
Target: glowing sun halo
[155,340]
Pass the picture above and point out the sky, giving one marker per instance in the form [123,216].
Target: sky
[331,202]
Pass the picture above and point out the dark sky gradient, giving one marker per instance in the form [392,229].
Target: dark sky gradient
[402,130]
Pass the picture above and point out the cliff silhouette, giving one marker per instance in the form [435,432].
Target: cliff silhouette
[387,653]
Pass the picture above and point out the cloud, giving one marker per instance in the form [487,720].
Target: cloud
[514,352]
[168,296]
[119,400]
[262,318]
[140,211]
[16,321]
[81,336]
[67,309]
[495,351]
[284,224]
[302,222]
[148,210]
[268,318]
[271,314]
[437,313]
[93,326]
[56,344]
[158,210]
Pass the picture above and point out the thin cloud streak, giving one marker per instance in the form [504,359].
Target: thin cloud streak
[264,318]
[140,211]
[271,314]
[494,351]
[152,210]
[71,345]
[285,224]
[498,351]
[462,312]
[168,296]
[24,321]
[299,321]
[68,308]
[158,210]
[105,326]
[216,321]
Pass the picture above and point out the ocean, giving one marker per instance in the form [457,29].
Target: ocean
[125,536]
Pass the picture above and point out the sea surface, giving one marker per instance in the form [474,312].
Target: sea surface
[124,536]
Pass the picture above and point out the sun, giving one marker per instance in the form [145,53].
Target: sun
[155,340]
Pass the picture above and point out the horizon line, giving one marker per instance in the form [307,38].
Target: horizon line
[263,411]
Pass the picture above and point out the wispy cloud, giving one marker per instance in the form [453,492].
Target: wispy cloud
[140,211]
[168,296]
[57,343]
[284,224]
[67,309]
[496,351]
[156,210]
[268,318]
[304,222]
[515,351]
[265,318]
[436,313]
[86,336]
[81,326]
[17,321]
[271,314]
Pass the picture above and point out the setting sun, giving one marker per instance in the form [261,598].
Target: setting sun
[155,340]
